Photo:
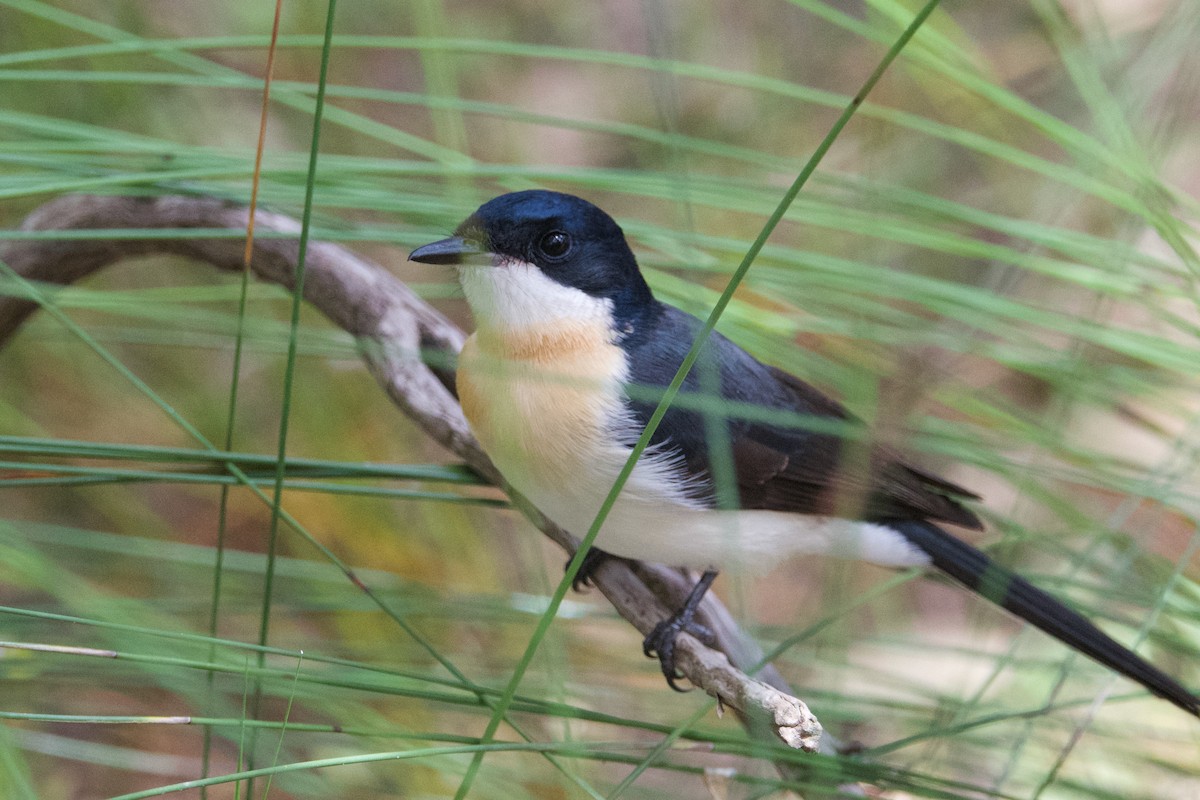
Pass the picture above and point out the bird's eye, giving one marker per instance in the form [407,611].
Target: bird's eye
[555,244]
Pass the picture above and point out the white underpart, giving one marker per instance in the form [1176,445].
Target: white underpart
[552,425]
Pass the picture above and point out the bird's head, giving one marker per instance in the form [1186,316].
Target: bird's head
[538,257]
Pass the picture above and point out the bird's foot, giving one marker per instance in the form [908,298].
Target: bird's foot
[660,642]
[591,559]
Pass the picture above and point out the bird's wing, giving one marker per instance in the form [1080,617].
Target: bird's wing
[827,468]
[790,469]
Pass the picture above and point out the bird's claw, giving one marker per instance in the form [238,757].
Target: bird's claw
[660,643]
[591,560]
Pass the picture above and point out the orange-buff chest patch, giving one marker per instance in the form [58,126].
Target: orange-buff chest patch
[541,403]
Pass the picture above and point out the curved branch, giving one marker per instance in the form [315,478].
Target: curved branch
[394,326]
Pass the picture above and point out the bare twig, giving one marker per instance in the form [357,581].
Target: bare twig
[394,326]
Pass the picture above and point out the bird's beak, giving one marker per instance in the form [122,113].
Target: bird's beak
[455,251]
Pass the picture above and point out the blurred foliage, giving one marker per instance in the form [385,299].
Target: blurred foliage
[1002,240]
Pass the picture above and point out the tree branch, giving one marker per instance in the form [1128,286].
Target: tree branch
[394,327]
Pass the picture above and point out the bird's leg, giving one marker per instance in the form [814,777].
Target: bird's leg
[591,560]
[661,641]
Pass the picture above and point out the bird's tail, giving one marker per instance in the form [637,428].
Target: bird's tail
[1010,591]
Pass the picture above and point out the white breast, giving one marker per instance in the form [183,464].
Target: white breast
[541,385]
[553,427]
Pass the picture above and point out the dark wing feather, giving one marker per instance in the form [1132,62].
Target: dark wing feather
[847,477]
[776,467]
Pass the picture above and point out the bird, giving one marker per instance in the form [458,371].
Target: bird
[750,466]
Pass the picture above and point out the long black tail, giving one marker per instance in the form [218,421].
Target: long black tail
[1010,591]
